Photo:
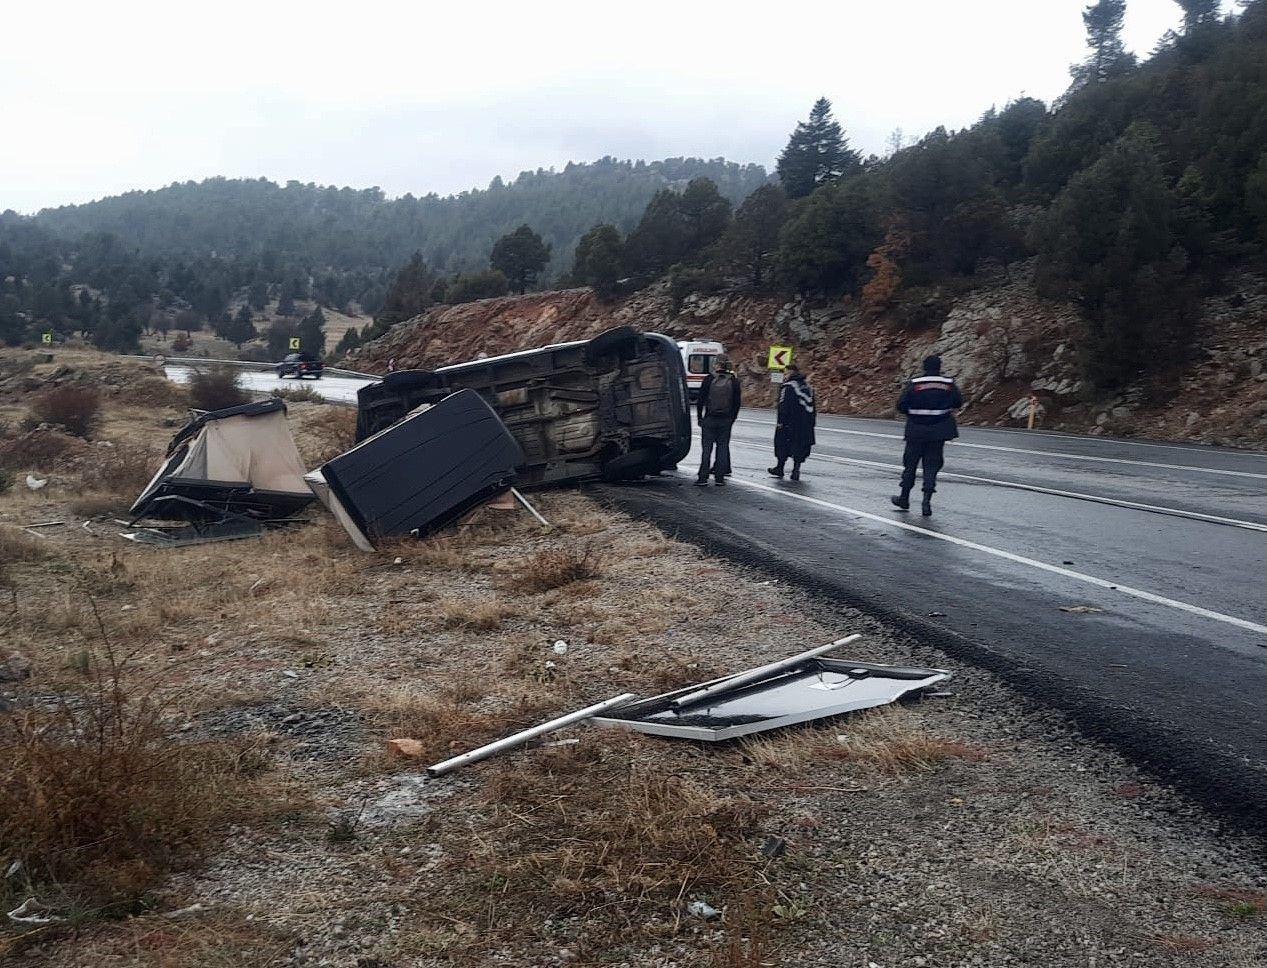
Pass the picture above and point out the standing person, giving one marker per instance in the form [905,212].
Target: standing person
[929,402]
[717,409]
[794,435]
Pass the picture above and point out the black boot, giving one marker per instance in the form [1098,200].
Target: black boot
[796,471]
[902,501]
[926,508]
[775,471]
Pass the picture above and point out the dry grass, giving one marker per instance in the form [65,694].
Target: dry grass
[38,450]
[323,433]
[553,568]
[76,409]
[598,832]
[447,719]
[17,546]
[894,742]
[215,938]
[889,740]
[475,615]
[1240,901]
[122,469]
[98,799]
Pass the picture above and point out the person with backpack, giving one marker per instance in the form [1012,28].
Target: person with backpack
[717,409]
[794,435]
[929,402]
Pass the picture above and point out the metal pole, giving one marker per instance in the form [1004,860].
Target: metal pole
[483,752]
[533,511]
[761,672]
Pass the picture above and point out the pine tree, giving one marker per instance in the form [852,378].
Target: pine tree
[350,341]
[520,256]
[659,240]
[753,236]
[312,333]
[817,153]
[410,293]
[285,303]
[598,260]
[1108,58]
[257,295]
[1110,242]
[1198,12]
[240,328]
[705,213]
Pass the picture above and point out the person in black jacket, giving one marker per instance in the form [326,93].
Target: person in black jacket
[717,409]
[929,402]
[794,435]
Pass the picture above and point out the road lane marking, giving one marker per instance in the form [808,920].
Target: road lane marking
[1041,453]
[1054,435]
[1096,498]
[1018,559]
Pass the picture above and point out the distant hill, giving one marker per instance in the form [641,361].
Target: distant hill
[360,230]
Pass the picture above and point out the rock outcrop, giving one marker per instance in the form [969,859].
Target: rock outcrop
[1001,341]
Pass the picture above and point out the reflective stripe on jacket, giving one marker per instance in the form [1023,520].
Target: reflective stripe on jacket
[929,403]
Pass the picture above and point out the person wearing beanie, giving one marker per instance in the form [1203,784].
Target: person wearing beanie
[717,410]
[929,403]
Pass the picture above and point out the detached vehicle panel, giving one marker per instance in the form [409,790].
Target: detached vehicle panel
[613,407]
[300,365]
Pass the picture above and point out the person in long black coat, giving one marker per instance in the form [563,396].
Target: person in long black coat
[794,435]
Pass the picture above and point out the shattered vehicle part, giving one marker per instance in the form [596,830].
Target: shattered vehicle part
[756,675]
[518,739]
[31,911]
[227,474]
[613,407]
[807,689]
[420,473]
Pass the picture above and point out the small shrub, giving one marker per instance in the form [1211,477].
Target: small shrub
[216,388]
[18,545]
[74,408]
[181,343]
[923,308]
[556,567]
[97,799]
[37,448]
[475,616]
[300,394]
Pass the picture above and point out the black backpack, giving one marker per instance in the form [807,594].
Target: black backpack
[721,394]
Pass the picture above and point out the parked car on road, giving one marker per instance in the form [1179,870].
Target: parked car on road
[613,407]
[300,365]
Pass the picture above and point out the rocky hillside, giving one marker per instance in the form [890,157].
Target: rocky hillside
[1001,342]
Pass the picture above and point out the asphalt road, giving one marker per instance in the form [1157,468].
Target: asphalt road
[337,389]
[1120,581]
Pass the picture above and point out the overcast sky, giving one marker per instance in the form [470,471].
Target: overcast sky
[99,98]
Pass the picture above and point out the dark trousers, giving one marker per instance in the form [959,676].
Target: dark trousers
[714,434]
[930,453]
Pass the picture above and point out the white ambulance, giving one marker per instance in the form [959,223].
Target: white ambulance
[697,357]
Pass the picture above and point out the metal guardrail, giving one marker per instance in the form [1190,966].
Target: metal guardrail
[242,364]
